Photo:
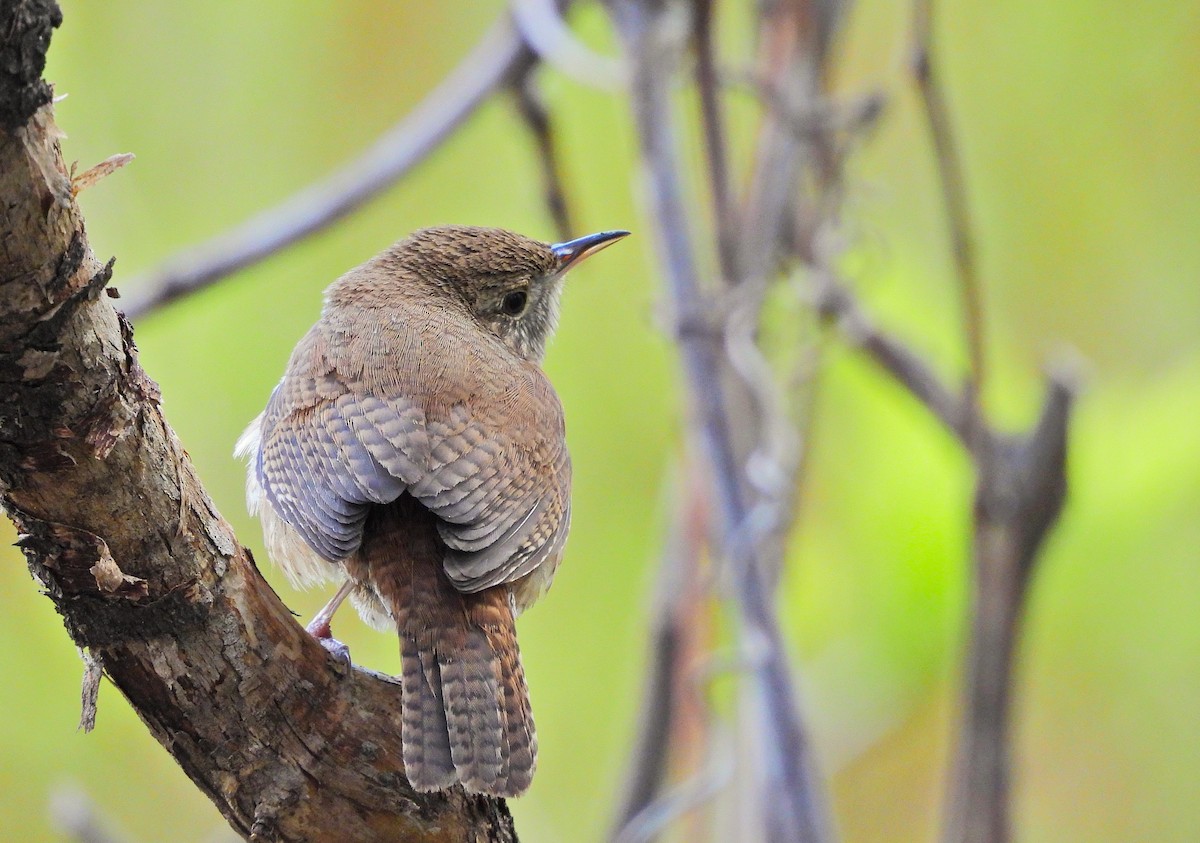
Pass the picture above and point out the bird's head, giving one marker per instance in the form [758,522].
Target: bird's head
[510,283]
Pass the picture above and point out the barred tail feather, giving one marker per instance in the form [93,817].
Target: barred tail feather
[473,715]
[465,710]
[520,737]
[426,743]
[466,717]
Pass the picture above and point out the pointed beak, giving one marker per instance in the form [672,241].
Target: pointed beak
[574,251]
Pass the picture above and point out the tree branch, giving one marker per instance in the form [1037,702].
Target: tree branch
[146,574]
[489,66]
[834,301]
[1021,487]
[716,147]
[536,117]
[670,718]
[792,796]
[954,191]
[1020,491]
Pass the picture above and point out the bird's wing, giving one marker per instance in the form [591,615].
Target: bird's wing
[499,480]
[324,458]
[500,483]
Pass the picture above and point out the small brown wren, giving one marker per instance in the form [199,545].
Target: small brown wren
[414,451]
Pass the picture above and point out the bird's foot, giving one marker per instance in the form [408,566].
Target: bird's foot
[319,629]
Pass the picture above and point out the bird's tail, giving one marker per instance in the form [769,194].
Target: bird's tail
[466,715]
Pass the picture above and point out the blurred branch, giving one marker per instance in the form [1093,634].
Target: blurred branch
[668,722]
[148,577]
[1021,487]
[954,191]
[544,29]
[74,815]
[792,797]
[533,111]
[835,301]
[491,64]
[716,146]
[787,71]
[1021,482]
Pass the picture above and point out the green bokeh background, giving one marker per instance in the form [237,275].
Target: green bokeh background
[1081,136]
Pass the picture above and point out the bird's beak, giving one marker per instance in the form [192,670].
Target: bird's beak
[574,251]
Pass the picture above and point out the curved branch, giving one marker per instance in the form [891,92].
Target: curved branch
[147,575]
[491,64]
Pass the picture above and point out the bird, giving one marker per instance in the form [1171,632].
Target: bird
[414,452]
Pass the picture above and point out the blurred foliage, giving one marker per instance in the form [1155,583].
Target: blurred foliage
[1082,145]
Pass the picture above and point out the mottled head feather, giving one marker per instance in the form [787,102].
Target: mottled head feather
[469,269]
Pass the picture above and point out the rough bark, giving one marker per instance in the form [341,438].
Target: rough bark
[147,575]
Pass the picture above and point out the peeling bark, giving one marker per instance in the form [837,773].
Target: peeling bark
[148,577]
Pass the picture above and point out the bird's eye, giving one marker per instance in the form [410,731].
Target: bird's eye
[514,303]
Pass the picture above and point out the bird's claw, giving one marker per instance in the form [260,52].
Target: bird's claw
[337,649]
[324,635]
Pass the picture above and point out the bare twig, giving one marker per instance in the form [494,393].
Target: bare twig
[954,192]
[93,671]
[791,793]
[687,796]
[533,111]
[716,147]
[668,717]
[836,302]
[789,60]
[489,66]
[786,63]
[82,181]
[1020,490]
[1021,487]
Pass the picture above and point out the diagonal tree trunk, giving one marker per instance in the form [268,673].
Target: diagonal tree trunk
[147,575]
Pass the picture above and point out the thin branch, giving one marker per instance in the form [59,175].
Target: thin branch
[716,147]
[686,797]
[790,60]
[834,301]
[792,794]
[489,66]
[667,716]
[1021,486]
[533,112]
[780,152]
[954,192]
